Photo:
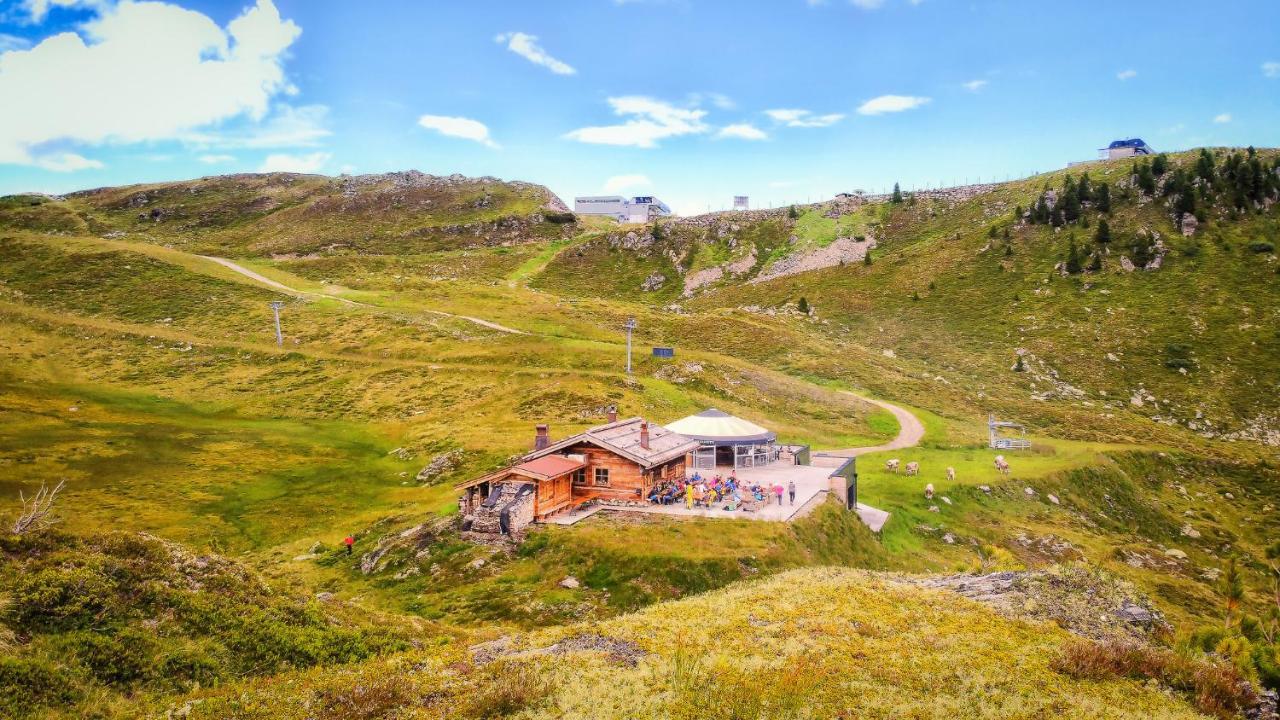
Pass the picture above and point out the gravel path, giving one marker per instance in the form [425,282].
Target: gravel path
[280,286]
[910,431]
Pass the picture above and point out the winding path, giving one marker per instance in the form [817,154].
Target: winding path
[910,430]
[258,277]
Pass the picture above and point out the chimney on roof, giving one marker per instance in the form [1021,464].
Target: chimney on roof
[541,438]
[613,414]
[644,434]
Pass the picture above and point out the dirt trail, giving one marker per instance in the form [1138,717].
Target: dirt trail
[910,431]
[293,291]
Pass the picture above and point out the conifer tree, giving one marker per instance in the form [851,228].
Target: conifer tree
[1070,205]
[866,259]
[1019,366]
[793,213]
[1103,198]
[1102,235]
[1095,262]
[897,193]
[1146,180]
[1205,169]
[1073,258]
[1160,164]
[1085,189]
[803,305]
[1141,251]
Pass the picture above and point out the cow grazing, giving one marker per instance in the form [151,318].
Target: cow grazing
[928,491]
[913,467]
[951,474]
[891,465]
[1001,465]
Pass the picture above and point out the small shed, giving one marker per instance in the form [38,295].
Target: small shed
[727,440]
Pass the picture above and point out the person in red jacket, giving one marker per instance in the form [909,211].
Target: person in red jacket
[348,541]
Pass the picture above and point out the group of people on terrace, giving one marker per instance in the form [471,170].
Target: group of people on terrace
[719,492]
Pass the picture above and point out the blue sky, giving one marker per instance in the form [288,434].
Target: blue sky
[692,100]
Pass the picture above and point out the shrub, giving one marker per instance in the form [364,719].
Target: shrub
[1216,688]
[27,684]
[505,688]
[1262,246]
[560,218]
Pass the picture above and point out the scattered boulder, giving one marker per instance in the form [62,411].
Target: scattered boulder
[570,582]
[1176,553]
[653,282]
[1053,498]
[1189,531]
[1029,492]
[439,465]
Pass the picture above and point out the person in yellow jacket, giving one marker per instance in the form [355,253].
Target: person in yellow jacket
[688,496]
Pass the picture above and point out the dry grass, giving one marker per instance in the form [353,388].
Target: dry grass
[1217,688]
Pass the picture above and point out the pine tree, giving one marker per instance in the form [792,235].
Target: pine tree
[897,193]
[1008,250]
[1095,262]
[1205,169]
[991,231]
[1085,189]
[1102,199]
[1141,251]
[656,232]
[1055,217]
[1102,235]
[1070,204]
[1073,258]
[1019,366]
[1160,164]
[803,305]
[1146,180]
[793,213]
[1232,592]
[866,259]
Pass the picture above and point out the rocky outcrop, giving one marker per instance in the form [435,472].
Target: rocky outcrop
[1084,601]
[653,282]
[439,465]
[710,275]
[843,250]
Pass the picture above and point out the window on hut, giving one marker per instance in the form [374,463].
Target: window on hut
[602,476]
[580,476]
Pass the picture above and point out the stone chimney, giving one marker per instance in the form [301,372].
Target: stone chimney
[541,438]
[644,434]
[613,414]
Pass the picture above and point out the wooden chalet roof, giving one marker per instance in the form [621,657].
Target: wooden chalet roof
[549,466]
[623,437]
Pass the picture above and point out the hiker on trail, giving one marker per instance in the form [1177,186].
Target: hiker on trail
[791,489]
[348,541]
[777,490]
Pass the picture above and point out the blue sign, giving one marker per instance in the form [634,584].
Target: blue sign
[664,352]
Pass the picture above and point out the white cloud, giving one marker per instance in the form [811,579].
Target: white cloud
[975,85]
[287,126]
[649,121]
[794,117]
[891,104]
[1222,118]
[458,127]
[13,42]
[742,131]
[527,47]
[1127,74]
[216,159]
[1271,69]
[618,183]
[65,162]
[281,162]
[141,71]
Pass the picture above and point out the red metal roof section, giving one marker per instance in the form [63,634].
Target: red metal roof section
[550,465]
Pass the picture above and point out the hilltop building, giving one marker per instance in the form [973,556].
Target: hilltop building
[1119,149]
[741,202]
[639,209]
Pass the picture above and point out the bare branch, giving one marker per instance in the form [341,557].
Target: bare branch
[37,513]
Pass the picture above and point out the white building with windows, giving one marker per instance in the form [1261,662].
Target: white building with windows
[639,209]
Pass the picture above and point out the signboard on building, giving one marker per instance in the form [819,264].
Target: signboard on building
[741,202]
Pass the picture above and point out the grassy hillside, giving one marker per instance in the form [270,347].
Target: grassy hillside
[810,643]
[149,378]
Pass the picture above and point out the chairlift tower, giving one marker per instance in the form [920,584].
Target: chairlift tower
[631,325]
[275,309]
